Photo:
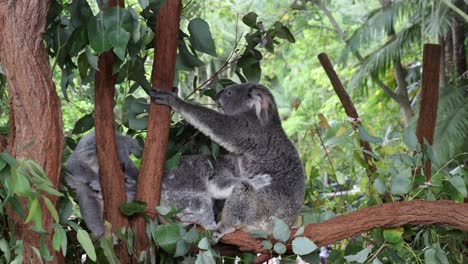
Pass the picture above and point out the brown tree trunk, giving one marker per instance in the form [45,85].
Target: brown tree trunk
[404,101]
[112,177]
[110,172]
[154,155]
[35,114]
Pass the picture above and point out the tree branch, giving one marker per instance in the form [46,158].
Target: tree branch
[388,215]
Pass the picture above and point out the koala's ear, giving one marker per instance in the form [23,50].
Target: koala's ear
[263,103]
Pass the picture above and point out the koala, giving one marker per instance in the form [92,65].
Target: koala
[247,124]
[82,174]
[193,186]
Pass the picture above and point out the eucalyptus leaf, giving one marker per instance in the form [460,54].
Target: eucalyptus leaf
[250,20]
[87,244]
[361,256]
[303,246]
[281,230]
[459,184]
[166,236]
[200,36]
[279,248]
[401,183]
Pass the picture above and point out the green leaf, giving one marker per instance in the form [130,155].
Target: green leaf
[252,72]
[5,249]
[401,183]
[191,236]
[119,38]
[97,35]
[83,124]
[267,244]
[204,244]
[38,254]
[92,59]
[173,162]
[259,234]
[281,230]
[163,210]
[393,235]
[59,239]
[34,209]
[303,246]
[166,237]
[380,186]
[107,245]
[132,208]
[435,255]
[200,36]
[279,248]
[250,20]
[44,250]
[368,137]
[182,248]
[299,231]
[21,185]
[410,139]
[143,3]
[361,256]
[50,206]
[459,184]
[205,257]
[87,244]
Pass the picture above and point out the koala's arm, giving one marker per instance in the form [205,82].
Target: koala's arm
[91,207]
[130,177]
[223,129]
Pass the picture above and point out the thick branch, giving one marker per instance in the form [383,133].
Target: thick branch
[446,213]
[154,155]
[347,105]
[429,97]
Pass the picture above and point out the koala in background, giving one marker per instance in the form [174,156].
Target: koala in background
[247,124]
[193,186]
[82,174]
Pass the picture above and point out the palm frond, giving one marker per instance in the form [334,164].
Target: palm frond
[437,20]
[452,123]
[377,26]
[379,61]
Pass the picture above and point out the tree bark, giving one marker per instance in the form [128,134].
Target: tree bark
[35,114]
[404,101]
[349,108]
[110,172]
[154,154]
[429,98]
[388,215]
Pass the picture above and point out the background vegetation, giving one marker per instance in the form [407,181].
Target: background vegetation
[376,47]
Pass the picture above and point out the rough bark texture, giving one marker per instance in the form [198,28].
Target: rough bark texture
[35,114]
[154,154]
[110,172]
[347,105]
[404,101]
[429,98]
[112,177]
[446,213]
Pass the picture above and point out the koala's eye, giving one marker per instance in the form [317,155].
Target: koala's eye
[228,92]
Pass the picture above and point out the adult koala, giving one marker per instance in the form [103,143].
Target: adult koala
[82,174]
[247,124]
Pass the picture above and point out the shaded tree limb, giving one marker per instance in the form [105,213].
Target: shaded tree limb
[35,119]
[154,154]
[388,215]
[429,98]
[348,106]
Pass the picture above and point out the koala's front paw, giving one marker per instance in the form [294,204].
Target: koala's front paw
[260,181]
[163,97]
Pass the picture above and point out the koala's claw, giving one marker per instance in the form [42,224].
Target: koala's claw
[260,181]
[163,97]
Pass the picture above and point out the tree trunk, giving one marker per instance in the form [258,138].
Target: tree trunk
[404,102]
[110,172]
[154,154]
[35,114]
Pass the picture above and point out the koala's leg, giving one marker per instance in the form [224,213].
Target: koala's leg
[130,180]
[238,210]
[222,187]
[197,208]
[89,198]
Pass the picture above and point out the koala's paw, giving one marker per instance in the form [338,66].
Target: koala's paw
[260,181]
[163,97]
[216,237]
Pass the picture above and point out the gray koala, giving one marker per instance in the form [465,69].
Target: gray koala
[194,186]
[82,174]
[247,124]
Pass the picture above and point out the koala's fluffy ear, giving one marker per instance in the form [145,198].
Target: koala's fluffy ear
[263,103]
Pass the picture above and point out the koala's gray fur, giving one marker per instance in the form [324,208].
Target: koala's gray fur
[193,186]
[248,126]
[82,174]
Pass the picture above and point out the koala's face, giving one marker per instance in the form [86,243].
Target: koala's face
[234,99]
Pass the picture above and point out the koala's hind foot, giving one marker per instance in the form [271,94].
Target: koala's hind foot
[220,232]
[260,181]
